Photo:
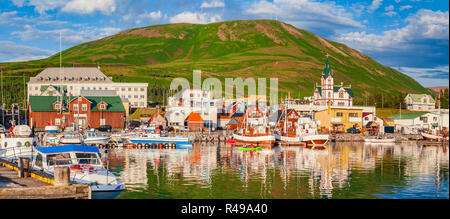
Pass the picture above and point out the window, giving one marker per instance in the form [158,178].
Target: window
[135,89]
[75,107]
[123,89]
[129,89]
[99,88]
[84,107]
[353,114]
[135,96]
[57,106]
[38,161]
[36,88]
[339,114]
[94,88]
[142,96]
[142,89]
[366,118]
[71,87]
[59,159]
[102,106]
[117,89]
[57,121]
[341,94]
[135,103]
[87,158]
[103,121]
[211,104]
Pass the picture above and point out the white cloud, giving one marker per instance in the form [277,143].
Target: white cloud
[306,14]
[195,18]
[213,4]
[390,13]
[437,76]
[69,6]
[90,6]
[404,7]
[389,8]
[155,15]
[375,5]
[12,52]
[424,25]
[69,36]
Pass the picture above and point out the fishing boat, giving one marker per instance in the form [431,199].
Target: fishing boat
[85,166]
[316,139]
[288,132]
[71,138]
[254,129]
[51,129]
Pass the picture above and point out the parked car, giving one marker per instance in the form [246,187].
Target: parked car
[353,130]
[104,128]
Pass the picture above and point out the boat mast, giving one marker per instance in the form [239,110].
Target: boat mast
[3,104]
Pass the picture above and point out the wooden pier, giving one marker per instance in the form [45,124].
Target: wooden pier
[35,185]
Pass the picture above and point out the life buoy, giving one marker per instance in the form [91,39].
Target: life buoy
[27,144]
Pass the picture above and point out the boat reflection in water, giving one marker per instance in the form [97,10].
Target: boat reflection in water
[339,171]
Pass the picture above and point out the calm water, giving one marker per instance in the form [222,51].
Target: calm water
[344,171]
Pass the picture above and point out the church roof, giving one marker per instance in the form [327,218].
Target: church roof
[327,70]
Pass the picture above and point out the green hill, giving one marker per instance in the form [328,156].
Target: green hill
[245,48]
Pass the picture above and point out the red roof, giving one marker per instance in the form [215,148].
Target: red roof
[194,117]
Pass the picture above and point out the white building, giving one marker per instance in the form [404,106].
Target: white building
[72,80]
[186,101]
[419,102]
[412,123]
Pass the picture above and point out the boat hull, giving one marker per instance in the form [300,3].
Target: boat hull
[265,139]
[315,139]
[431,137]
[144,140]
[289,140]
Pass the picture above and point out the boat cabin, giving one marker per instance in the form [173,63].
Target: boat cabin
[80,157]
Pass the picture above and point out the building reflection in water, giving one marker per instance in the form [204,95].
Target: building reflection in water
[324,170]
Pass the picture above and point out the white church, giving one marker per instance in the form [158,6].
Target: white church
[328,92]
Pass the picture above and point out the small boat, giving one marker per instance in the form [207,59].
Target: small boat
[258,148]
[432,137]
[94,138]
[51,129]
[85,166]
[380,140]
[71,139]
[254,128]
[158,139]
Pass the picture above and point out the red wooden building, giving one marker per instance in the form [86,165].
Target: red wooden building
[86,111]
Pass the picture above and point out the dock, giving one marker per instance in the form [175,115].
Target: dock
[35,185]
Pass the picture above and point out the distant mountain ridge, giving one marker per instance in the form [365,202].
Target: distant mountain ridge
[240,48]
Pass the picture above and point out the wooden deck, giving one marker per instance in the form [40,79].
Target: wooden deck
[37,187]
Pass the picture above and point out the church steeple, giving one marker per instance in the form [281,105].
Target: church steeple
[327,70]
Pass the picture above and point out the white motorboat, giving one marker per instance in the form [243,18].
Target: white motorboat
[316,139]
[85,166]
[380,140]
[18,142]
[93,137]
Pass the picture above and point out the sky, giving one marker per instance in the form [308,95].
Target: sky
[411,36]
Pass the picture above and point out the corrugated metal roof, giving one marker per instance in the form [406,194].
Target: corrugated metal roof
[44,103]
[94,93]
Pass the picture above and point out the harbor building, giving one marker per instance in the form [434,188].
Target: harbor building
[329,93]
[338,119]
[71,81]
[84,111]
[413,123]
[186,101]
[419,102]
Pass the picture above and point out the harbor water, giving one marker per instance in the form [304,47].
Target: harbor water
[341,171]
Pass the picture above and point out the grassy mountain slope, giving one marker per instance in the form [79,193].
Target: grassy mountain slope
[249,48]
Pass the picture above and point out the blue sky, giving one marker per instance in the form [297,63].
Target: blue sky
[411,36]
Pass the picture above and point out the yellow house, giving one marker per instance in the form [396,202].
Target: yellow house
[339,119]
